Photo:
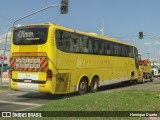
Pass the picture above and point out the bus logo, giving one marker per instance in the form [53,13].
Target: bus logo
[24,34]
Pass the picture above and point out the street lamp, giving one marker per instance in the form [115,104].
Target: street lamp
[12,27]
[34,13]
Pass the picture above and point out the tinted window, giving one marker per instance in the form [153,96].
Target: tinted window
[95,46]
[30,36]
[122,50]
[109,48]
[77,43]
[116,49]
[85,44]
[130,51]
[68,42]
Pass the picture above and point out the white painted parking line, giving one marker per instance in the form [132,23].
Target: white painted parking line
[21,103]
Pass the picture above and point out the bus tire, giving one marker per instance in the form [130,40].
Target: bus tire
[94,84]
[83,86]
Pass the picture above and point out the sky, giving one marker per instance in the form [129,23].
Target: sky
[122,19]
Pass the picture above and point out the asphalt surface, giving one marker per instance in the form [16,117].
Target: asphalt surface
[23,101]
[153,86]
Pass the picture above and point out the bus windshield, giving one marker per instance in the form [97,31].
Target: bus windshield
[30,35]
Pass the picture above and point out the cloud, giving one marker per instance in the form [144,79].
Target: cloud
[3,37]
[155,43]
[2,42]
[148,44]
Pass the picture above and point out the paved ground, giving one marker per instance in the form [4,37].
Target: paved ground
[153,86]
[4,82]
[18,101]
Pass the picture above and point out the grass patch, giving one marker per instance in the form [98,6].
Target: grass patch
[130,100]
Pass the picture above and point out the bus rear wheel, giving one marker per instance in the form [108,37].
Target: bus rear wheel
[94,85]
[83,86]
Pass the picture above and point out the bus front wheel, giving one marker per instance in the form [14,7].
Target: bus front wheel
[83,86]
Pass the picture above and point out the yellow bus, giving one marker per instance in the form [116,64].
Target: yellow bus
[54,59]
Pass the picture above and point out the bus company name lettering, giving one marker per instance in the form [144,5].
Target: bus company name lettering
[24,34]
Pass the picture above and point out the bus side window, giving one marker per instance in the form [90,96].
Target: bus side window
[63,41]
[90,45]
[130,52]
[111,48]
[74,43]
[116,50]
[135,53]
[107,48]
[81,44]
[122,50]
[95,46]
[101,47]
[85,44]
[66,38]
[59,39]
[127,51]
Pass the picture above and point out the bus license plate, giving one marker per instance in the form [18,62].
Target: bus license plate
[27,81]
